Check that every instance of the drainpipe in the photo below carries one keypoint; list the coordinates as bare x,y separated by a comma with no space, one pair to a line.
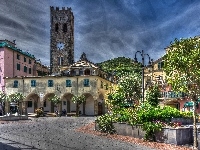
13,64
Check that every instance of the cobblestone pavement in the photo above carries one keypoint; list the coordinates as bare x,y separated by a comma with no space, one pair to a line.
56,133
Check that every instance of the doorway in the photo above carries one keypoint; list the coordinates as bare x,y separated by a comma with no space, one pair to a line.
99,108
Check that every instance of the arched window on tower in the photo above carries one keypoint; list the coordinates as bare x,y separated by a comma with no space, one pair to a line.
87,72
64,27
56,27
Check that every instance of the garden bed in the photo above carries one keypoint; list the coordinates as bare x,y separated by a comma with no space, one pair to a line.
89,129
177,136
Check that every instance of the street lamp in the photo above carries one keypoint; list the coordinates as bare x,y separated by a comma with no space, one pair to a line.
150,62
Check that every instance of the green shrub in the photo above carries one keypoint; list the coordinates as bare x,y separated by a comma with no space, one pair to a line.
105,124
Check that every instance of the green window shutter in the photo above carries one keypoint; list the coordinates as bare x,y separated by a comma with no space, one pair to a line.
68,83
86,82
15,84
159,65
50,83
33,83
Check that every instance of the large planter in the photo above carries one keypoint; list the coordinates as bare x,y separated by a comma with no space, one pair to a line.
120,128
129,130
177,136
141,132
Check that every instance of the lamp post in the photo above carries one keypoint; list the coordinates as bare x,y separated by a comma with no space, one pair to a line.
150,61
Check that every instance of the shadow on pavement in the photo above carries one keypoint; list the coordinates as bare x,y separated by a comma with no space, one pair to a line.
6,144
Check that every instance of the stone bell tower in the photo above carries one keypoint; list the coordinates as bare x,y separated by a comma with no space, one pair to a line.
62,38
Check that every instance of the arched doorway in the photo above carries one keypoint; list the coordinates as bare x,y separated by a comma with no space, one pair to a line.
101,104
67,104
88,106
173,103
31,103
48,105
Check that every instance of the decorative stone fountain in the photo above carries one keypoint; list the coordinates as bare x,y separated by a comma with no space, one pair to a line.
13,116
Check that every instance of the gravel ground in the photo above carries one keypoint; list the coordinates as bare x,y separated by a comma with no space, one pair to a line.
58,133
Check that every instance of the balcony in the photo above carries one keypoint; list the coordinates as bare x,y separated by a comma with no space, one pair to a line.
171,94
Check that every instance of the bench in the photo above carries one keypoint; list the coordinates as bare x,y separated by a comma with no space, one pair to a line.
72,113
50,115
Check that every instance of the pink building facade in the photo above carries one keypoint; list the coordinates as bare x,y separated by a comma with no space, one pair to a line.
15,62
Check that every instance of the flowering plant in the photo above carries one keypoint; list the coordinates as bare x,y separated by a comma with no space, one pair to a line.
175,124
39,112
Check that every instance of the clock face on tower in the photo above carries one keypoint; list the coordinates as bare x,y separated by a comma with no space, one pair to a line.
60,45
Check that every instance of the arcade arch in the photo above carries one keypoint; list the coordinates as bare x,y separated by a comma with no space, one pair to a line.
32,102
67,103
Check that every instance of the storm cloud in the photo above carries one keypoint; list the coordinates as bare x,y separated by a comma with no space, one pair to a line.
104,29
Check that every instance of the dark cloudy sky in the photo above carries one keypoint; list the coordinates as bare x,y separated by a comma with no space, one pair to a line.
104,29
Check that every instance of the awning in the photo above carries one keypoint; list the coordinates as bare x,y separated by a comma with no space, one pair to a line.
190,104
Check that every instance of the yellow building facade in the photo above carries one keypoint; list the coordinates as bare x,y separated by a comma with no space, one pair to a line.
81,78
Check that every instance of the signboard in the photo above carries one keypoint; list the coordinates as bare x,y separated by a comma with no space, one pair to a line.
41,95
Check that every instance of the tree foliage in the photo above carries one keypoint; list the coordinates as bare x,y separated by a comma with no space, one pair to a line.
182,66
3,97
54,99
153,93
78,100
120,66
128,90
16,97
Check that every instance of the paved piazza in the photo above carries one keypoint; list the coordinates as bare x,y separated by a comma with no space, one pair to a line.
56,133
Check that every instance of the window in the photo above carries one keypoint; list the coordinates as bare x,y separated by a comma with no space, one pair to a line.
81,72
15,84
29,104
18,56
64,27
106,86
45,103
25,69
87,72
29,61
18,66
64,102
56,27
50,83
33,83
86,82
68,83
101,84
24,59
160,65
29,70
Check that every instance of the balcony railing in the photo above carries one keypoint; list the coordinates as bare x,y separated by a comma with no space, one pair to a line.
171,94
